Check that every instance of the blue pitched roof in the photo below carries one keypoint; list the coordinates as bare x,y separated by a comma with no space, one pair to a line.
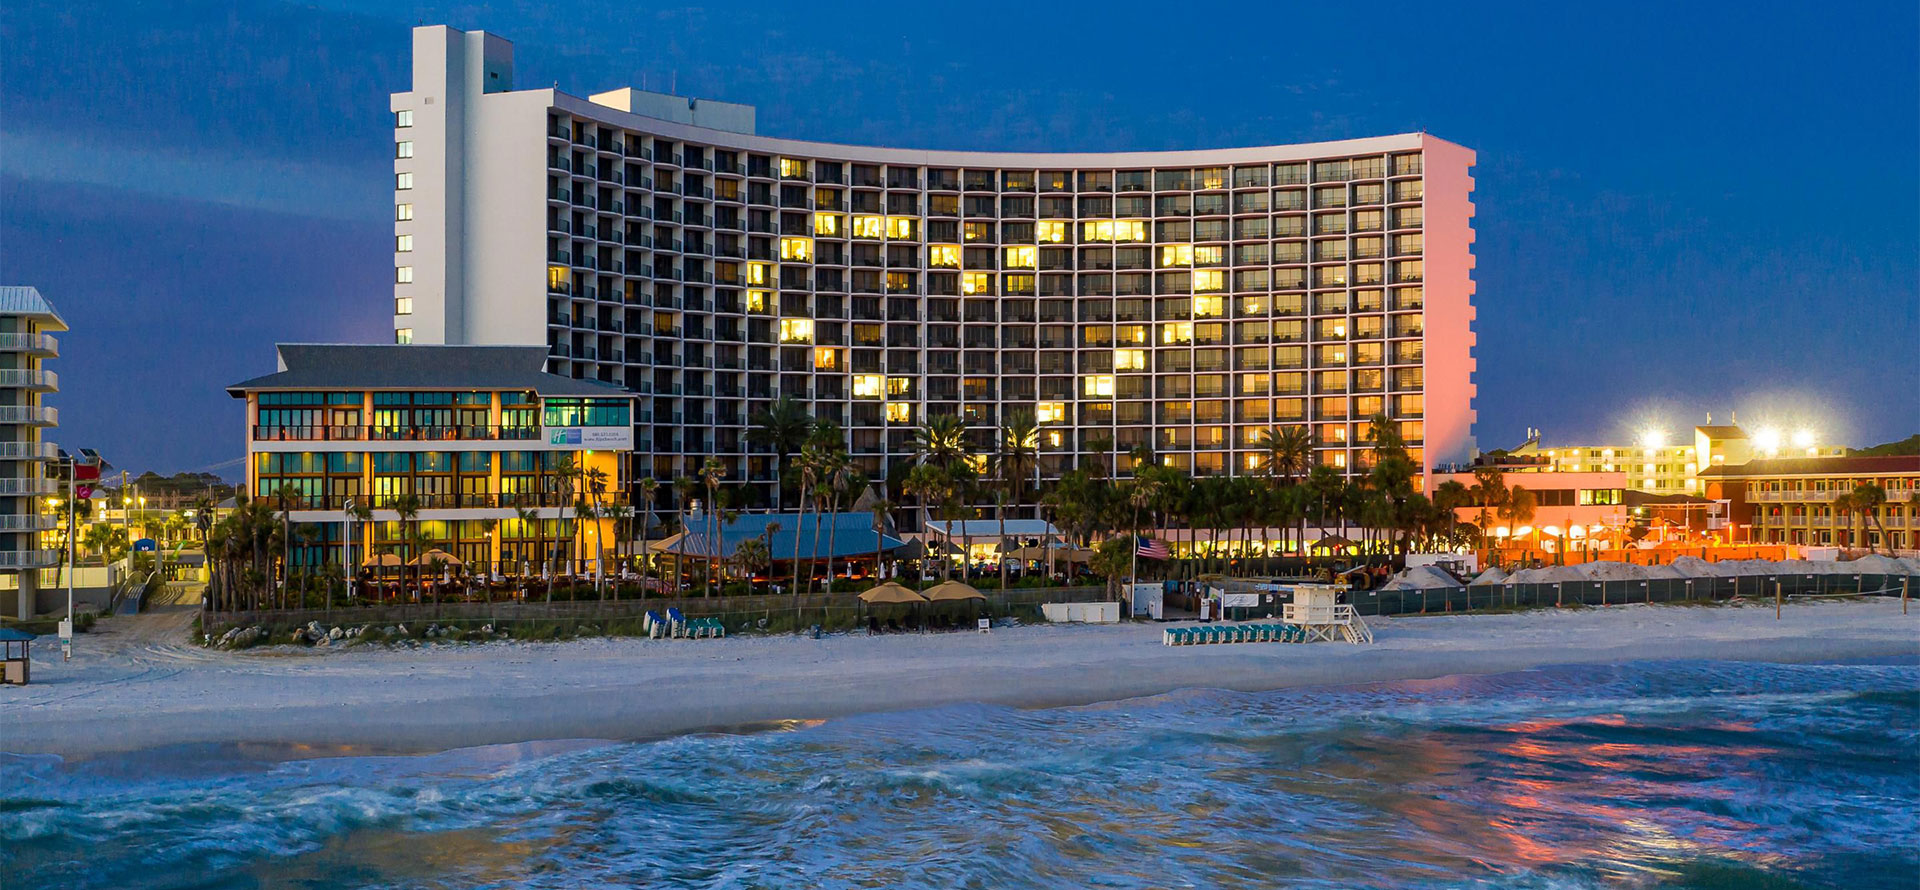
851,534
15,635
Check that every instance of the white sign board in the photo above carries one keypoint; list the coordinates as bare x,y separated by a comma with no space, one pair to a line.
1239,600
66,630
613,437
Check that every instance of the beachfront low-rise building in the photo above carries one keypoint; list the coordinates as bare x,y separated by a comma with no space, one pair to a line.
1656,464
1566,504
1807,501
489,453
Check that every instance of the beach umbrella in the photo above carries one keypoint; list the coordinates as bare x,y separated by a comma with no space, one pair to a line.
890,592
383,561
1076,554
952,591
432,556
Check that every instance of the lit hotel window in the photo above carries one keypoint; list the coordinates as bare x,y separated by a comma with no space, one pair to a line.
976,283
793,168
1209,280
403,335
796,330
403,149
826,224
1052,232
899,386
1129,359
800,249
403,275
1113,230
978,231
757,273
558,277
1176,255
1207,307
1098,386
402,212
403,306
402,181
826,359
402,243
403,118
868,226
1050,412
900,228
867,386
1176,332
899,412
757,301
943,256
1022,257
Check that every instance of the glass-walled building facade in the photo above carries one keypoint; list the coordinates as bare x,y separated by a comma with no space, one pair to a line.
1187,301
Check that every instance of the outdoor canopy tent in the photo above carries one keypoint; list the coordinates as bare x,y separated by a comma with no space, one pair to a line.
432,556
849,535
383,560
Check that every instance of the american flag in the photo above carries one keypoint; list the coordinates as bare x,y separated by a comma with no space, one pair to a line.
1150,549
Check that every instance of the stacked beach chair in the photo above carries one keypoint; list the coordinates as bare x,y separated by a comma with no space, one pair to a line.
675,624
1207,634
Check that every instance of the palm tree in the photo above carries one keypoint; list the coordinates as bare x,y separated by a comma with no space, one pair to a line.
880,507
749,556
840,479
1016,456
1867,498
530,519
1287,454
928,484
782,428
648,487
942,443
807,465
407,506
361,512
565,471
286,495
711,472
682,494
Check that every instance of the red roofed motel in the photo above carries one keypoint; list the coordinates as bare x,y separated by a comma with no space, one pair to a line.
1800,500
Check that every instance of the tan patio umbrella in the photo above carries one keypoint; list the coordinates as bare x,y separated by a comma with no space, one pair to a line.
1076,554
383,561
440,556
890,592
1029,554
952,591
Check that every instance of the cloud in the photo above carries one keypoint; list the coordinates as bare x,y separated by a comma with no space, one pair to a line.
293,186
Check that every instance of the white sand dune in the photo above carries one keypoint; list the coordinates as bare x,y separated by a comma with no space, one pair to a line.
131,686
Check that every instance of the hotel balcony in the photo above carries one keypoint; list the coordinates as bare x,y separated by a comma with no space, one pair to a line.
30,415
43,345
43,381
483,433
29,451
27,486
448,501
30,559
1798,497
28,522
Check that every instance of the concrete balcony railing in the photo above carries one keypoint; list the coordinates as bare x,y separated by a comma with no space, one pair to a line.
29,379
32,415
28,487
28,522
29,559
29,451
35,344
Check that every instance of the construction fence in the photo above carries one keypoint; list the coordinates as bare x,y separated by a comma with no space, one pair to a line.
836,611
1616,593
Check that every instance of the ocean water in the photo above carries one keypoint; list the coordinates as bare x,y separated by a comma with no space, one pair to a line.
1694,774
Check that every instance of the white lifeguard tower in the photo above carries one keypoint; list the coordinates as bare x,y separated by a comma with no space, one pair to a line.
1316,609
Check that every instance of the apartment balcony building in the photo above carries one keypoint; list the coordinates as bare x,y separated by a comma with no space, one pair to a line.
27,323
1317,284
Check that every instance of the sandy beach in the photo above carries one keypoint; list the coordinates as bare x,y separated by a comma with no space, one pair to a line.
134,683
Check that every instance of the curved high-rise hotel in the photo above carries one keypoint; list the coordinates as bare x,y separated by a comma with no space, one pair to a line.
1187,300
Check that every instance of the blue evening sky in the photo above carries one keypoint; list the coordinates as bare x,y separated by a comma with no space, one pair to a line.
1683,207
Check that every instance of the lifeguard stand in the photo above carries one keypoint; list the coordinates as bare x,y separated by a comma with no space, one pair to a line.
1316,609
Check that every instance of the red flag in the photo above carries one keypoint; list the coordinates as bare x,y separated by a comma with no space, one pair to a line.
86,471
83,492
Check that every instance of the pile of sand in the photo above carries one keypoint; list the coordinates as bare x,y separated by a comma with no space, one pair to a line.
1420,577
1493,575
1695,567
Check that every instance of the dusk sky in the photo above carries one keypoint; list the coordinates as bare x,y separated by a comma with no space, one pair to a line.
1682,208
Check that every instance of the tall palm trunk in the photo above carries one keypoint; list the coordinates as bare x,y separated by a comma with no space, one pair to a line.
833,533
